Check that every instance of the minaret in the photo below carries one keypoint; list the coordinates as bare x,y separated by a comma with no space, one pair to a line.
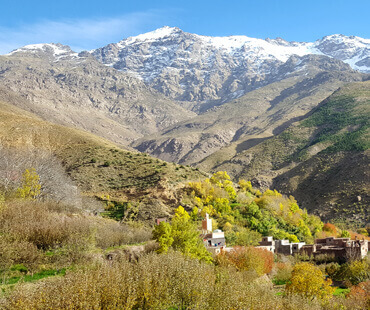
207,225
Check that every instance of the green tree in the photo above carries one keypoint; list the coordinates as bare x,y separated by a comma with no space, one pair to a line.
245,185
345,234
308,280
30,186
182,235
163,234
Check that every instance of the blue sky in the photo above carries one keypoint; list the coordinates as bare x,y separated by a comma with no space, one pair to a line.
90,24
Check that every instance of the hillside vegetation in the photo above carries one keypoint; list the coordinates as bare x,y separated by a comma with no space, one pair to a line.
322,160
59,257
97,166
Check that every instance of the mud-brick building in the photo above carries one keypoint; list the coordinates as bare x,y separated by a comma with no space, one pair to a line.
341,249
214,241
267,243
280,246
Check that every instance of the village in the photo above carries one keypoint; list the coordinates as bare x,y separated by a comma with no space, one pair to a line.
340,249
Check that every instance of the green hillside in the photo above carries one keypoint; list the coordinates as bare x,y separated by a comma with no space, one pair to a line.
97,166
321,160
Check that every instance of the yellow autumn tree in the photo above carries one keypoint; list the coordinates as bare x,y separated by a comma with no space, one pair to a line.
30,186
308,280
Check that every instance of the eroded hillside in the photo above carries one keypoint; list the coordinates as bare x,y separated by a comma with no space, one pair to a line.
323,160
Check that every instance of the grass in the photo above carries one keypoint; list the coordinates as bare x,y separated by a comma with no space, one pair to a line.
34,277
341,291
279,282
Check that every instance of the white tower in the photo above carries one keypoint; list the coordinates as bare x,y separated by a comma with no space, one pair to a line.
207,225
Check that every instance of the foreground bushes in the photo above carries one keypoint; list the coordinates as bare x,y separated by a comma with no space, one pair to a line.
163,281
34,233
248,259
169,281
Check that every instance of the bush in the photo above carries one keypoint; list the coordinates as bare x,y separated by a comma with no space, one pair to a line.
15,252
330,228
361,294
325,258
110,233
248,259
354,272
332,269
32,222
170,281
283,273
308,280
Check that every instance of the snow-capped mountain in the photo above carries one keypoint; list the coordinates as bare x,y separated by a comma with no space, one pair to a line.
210,71
192,67
56,51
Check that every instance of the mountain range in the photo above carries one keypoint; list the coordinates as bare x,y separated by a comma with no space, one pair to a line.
211,102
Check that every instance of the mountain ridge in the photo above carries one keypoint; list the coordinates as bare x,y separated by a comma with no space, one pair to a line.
201,69
208,71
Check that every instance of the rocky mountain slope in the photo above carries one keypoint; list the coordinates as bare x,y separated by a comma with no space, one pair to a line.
74,89
322,160
209,71
253,117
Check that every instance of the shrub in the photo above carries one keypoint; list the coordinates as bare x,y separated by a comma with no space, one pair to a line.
330,228
15,252
34,223
308,280
110,233
345,234
247,258
354,272
325,258
283,272
170,281
332,269
361,294
30,187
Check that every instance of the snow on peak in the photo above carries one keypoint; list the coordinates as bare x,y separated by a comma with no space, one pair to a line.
57,50
169,48
341,38
154,35
278,48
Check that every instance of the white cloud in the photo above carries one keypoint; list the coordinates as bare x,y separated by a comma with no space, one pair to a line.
80,34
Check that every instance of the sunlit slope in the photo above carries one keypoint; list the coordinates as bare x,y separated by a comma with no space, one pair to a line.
323,160
95,164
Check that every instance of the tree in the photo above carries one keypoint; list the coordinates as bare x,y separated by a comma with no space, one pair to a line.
308,280
245,185
354,272
163,234
182,235
330,228
248,258
30,186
